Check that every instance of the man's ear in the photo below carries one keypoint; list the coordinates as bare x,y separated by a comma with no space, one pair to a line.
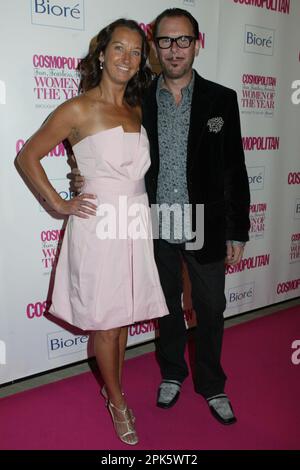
197,47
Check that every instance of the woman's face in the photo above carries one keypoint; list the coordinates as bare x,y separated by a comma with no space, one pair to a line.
122,56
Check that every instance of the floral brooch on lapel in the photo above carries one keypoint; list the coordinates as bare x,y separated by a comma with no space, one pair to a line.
215,124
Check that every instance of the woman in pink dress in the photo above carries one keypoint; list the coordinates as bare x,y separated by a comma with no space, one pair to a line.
106,276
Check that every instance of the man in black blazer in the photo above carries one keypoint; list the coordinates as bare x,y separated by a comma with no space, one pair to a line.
196,158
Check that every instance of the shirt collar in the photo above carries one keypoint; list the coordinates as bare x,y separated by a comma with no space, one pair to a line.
186,90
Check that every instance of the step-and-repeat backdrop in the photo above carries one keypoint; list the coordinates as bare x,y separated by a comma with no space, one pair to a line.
249,45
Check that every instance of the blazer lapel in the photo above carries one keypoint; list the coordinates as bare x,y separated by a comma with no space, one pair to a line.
200,111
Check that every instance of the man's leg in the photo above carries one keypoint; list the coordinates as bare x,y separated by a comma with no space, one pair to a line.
208,282
172,329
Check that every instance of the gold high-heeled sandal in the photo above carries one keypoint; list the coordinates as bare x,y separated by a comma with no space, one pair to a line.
104,394
125,429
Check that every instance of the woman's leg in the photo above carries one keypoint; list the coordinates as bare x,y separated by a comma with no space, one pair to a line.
107,351
122,348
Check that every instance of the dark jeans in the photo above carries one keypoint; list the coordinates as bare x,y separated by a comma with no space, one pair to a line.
207,282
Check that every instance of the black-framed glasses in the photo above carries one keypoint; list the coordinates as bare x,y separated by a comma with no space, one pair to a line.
165,42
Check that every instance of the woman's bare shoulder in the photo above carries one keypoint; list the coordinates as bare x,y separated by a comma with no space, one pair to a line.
77,104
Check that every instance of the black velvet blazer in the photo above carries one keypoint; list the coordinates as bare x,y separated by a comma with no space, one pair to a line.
216,172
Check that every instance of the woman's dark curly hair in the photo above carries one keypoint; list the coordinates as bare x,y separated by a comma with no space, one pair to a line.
91,74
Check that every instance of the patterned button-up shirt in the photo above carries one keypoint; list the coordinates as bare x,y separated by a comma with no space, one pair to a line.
173,130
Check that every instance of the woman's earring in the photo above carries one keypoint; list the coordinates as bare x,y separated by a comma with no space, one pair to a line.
101,65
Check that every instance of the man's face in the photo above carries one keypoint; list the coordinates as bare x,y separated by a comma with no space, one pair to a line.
176,62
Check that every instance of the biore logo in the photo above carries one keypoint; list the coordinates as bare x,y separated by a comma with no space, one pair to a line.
240,295
2,353
61,186
256,176
58,13
294,178
259,40
2,92
296,354
296,94
297,209
62,343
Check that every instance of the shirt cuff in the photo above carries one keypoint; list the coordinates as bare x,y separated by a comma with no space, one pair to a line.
236,242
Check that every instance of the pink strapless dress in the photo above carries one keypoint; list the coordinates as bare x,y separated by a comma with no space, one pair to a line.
106,276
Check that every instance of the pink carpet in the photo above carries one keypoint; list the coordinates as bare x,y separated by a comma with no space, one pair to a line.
263,384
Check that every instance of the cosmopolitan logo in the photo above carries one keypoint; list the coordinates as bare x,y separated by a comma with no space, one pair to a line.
253,262
285,287
148,27
256,177
258,95
51,241
55,62
58,13
55,79
143,327
294,178
257,220
240,295
259,40
295,248
297,209
259,80
37,309
148,327
63,343
251,144
280,6
58,151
